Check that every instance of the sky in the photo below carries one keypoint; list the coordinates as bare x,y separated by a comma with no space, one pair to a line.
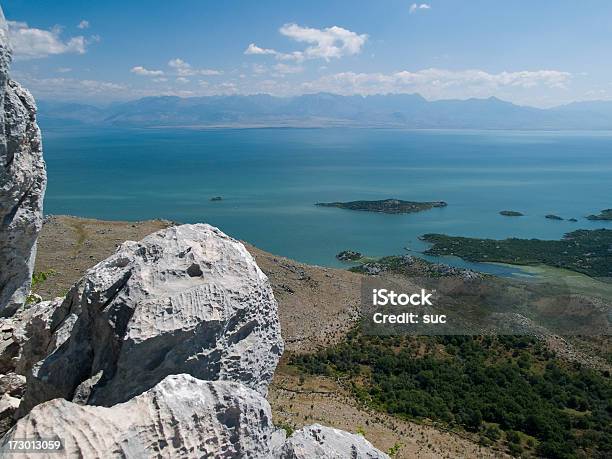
539,53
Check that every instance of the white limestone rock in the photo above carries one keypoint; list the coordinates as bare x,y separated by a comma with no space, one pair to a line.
327,443
186,299
181,417
29,335
23,180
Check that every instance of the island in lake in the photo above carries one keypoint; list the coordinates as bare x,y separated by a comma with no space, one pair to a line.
349,255
511,213
553,217
605,214
387,206
584,251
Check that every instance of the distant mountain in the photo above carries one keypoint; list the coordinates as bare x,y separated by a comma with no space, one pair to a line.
324,109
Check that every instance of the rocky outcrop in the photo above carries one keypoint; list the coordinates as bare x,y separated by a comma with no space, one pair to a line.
25,338
320,441
184,417
165,349
181,417
22,184
187,299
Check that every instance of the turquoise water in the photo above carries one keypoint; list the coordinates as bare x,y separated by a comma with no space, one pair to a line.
270,178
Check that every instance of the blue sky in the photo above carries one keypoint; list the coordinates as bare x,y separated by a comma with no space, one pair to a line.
539,53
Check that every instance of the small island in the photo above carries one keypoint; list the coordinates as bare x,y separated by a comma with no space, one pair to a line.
553,217
349,255
573,220
387,206
511,213
216,198
605,214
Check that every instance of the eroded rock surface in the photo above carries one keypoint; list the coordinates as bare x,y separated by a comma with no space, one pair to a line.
27,336
23,181
181,417
187,299
326,442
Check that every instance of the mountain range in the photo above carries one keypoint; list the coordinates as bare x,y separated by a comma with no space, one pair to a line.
324,109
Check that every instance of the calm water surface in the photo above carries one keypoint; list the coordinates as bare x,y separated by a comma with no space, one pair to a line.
270,178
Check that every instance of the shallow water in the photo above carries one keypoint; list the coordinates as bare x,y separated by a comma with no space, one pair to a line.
270,178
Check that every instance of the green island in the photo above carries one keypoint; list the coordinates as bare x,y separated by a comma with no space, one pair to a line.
349,255
605,214
584,251
511,213
387,206
504,390
409,265
553,217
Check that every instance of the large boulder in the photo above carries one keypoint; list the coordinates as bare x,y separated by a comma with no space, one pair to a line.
23,179
181,417
186,299
328,443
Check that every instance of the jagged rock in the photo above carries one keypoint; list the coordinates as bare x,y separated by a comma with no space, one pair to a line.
23,179
181,417
8,407
28,336
12,384
325,442
25,338
186,299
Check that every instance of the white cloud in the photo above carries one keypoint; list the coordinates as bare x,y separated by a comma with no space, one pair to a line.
284,69
72,89
140,70
63,70
332,42
259,69
328,43
416,7
68,88
254,49
30,42
84,24
182,80
439,83
184,69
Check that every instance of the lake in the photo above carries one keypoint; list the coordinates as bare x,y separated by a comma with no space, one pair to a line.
270,179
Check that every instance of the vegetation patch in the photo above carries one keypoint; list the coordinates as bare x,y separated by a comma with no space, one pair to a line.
605,214
584,251
507,390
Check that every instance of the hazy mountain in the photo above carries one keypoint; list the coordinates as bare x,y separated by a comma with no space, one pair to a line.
323,109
